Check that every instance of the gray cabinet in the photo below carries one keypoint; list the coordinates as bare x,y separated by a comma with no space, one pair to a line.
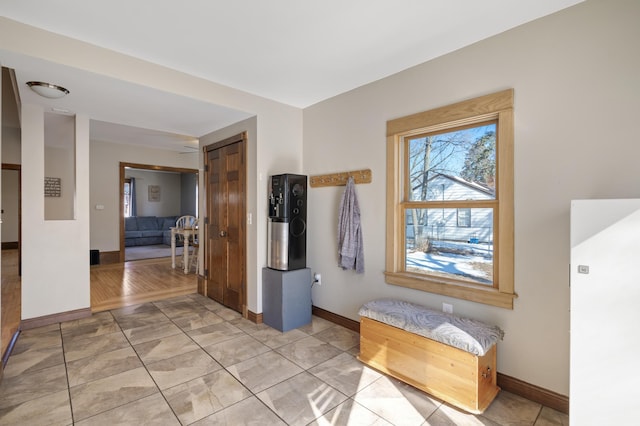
286,298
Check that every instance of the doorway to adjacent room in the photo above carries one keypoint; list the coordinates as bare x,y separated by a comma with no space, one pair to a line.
151,199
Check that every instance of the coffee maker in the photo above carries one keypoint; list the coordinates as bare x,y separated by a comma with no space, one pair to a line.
287,222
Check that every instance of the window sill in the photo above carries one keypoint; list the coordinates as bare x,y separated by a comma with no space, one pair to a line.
487,296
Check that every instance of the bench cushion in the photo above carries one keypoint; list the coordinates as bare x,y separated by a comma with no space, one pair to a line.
463,333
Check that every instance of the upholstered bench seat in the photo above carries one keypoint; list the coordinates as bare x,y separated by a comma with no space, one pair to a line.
462,333
450,357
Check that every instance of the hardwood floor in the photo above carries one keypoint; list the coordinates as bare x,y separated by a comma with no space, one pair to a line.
117,285
112,286
10,298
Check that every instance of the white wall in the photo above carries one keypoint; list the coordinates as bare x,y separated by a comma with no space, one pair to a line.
577,95
105,161
55,254
604,238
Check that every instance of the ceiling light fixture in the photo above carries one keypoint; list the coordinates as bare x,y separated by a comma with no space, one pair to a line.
47,90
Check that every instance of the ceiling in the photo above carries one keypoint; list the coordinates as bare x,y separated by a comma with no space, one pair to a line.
291,51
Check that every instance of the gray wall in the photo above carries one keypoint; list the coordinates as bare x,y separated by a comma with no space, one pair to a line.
188,194
170,194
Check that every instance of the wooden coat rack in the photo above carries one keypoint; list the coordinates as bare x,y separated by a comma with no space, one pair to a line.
338,179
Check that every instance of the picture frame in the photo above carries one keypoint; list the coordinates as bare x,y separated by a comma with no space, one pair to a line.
154,193
52,187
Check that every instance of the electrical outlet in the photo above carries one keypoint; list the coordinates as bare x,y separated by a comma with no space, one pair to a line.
583,269
447,308
317,278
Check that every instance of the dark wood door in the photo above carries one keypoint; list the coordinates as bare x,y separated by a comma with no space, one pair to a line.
225,233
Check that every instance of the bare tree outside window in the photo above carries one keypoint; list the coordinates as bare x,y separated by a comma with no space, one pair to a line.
449,167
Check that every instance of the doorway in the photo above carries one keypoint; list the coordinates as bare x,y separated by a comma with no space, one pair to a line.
165,193
225,229
10,298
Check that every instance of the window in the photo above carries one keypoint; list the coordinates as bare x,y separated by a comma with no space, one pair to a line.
464,218
450,200
127,197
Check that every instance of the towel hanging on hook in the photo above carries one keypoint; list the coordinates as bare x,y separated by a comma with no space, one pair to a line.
350,246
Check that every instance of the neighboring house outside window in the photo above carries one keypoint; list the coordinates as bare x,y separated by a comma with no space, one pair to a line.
450,200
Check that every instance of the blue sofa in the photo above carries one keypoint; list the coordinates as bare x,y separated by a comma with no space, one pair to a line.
148,230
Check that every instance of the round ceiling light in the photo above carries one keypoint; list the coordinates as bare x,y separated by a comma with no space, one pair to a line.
47,90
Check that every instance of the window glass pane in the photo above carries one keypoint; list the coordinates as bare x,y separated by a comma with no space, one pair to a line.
436,245
456,165
127,198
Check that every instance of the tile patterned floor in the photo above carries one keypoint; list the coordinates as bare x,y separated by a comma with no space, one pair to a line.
190,361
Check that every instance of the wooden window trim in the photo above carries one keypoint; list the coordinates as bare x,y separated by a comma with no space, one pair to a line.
497,106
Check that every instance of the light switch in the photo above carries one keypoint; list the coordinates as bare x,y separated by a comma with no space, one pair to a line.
99,207
583,269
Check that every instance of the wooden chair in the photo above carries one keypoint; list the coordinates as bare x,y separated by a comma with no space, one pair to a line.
194,256
186,221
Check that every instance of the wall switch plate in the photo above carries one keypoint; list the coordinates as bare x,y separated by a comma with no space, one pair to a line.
447,308
583,269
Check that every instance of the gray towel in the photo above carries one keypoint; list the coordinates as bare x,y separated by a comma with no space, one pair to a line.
350,248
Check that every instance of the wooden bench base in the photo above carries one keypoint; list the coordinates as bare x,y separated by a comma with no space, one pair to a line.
460,378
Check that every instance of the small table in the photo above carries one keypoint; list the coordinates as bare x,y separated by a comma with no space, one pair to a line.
186,234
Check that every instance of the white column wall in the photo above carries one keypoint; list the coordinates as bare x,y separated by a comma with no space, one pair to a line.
55,254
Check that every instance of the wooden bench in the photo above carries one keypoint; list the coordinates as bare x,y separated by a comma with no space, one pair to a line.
449,357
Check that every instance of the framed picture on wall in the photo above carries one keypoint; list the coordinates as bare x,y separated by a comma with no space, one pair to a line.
52,187
154,192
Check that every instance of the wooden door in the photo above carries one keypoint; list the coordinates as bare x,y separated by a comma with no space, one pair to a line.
225,251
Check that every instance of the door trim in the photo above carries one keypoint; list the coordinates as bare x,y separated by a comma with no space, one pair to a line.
240,137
